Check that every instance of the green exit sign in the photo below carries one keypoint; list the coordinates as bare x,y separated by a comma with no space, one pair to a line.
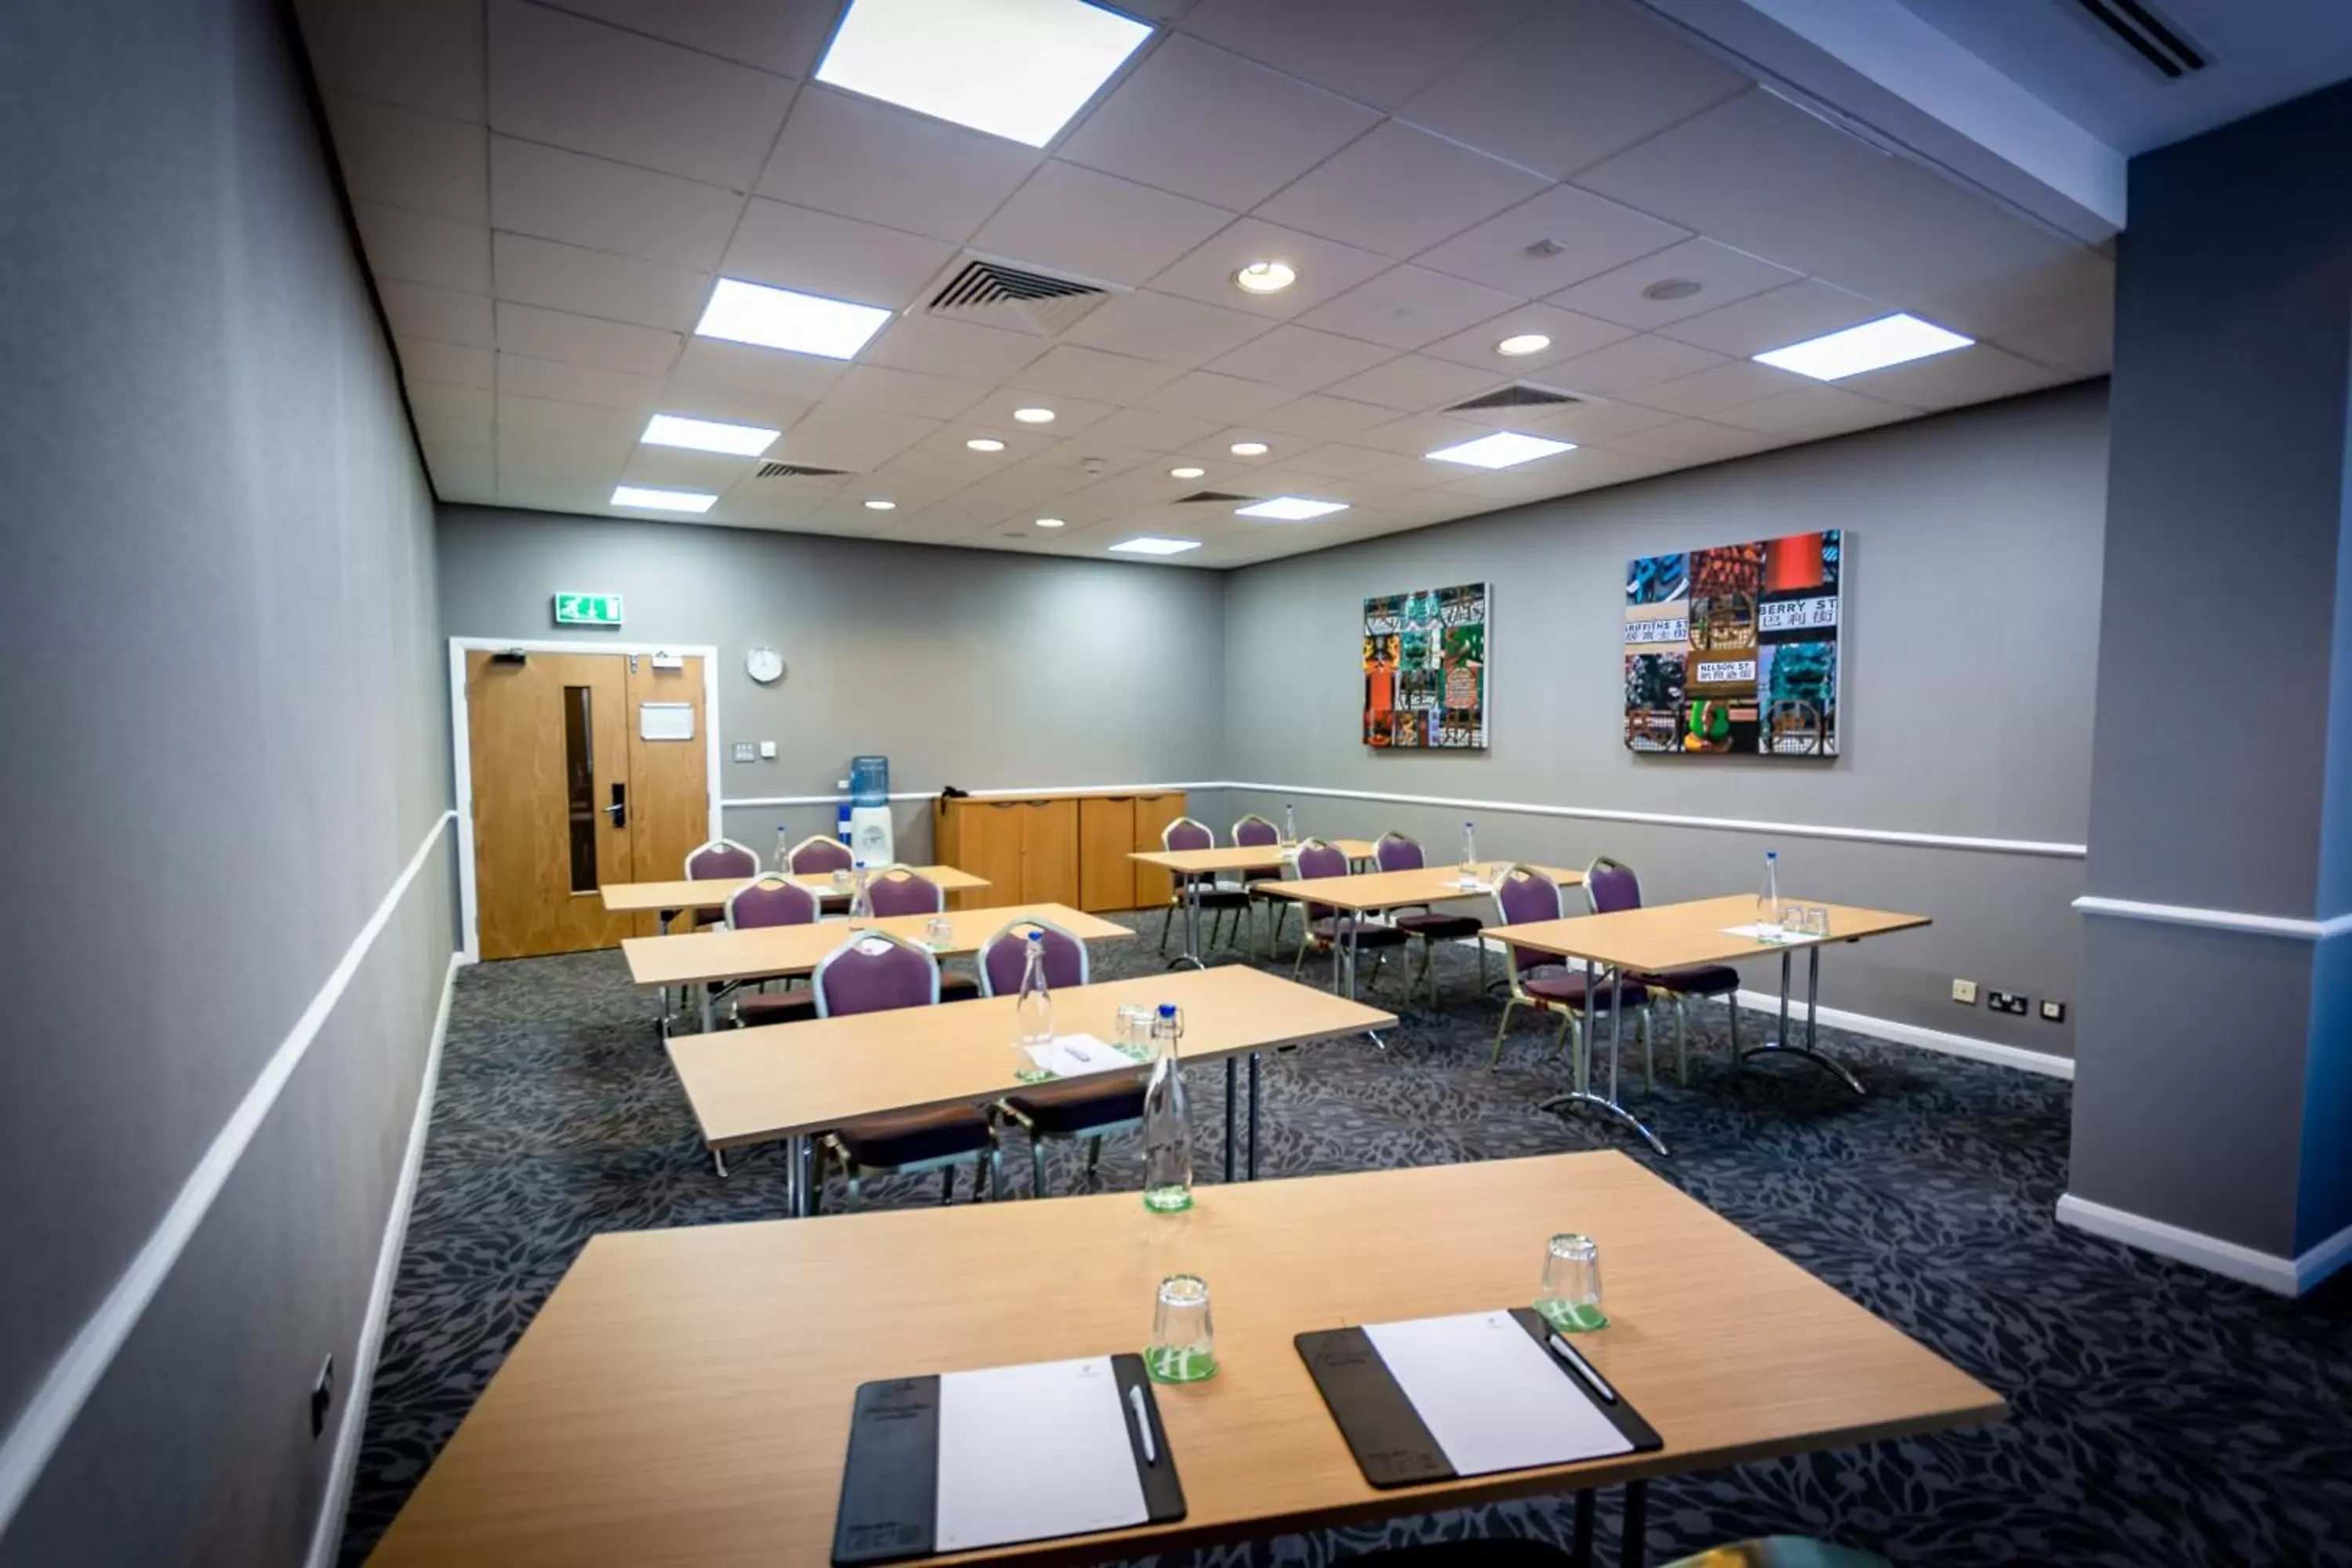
587,609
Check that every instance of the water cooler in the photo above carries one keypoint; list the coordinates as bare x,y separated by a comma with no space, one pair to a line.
870,839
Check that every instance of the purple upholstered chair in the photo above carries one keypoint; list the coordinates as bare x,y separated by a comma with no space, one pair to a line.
1256,832
874,972
1523,896
899,891
770,900
721,860
816,855
1086,1109
1610,885
1186,834
1396,852
1327,928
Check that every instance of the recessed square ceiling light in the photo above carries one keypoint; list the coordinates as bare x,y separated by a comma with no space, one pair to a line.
1153,544
1874,345
1015,68
784,318
707,436
1503,449
662,500
1292,509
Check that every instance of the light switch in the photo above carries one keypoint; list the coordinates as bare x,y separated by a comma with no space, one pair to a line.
766,750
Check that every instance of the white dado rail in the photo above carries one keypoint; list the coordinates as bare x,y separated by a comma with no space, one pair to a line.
2287,926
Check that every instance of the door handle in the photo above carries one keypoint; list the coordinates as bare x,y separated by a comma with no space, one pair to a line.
619,810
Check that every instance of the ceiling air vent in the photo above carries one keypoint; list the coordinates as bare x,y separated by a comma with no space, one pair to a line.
797,472
1210,496
1519,395
2155,42
988,292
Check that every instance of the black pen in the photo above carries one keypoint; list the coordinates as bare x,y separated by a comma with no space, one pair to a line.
1584,1369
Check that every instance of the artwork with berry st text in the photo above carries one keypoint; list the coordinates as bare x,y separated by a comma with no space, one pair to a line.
1735,648
1425,669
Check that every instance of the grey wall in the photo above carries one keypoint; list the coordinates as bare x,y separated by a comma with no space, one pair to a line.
1972,630
981,669
216,592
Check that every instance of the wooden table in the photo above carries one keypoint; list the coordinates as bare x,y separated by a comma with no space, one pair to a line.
1680,936
1374,890
684,1396
1193,867
699,959
666,899
793,1080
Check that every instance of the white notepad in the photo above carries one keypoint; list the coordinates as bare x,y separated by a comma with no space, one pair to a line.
1029,1453
1778,934
1493,1398
1074,1056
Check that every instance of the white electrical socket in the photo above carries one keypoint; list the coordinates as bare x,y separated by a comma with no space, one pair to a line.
1965,993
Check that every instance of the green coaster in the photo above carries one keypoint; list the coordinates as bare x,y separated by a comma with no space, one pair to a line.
1033,1074
1167,1200
1571,1318
1134,1053
1170,1365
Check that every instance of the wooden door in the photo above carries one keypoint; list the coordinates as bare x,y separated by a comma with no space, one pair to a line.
548,746
988,843
1049,852
1153,813
669,780
1106,833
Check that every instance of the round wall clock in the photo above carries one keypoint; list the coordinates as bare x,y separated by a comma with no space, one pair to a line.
764,665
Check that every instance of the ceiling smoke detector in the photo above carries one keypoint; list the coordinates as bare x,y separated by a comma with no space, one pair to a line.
1666,288
1545,248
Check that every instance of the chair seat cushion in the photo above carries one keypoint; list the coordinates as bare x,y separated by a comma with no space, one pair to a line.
1070,1109
775,1006
1440,928
1568,991
1361,933
1700,980
892,1141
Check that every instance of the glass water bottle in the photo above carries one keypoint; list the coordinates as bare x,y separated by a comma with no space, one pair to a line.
861,899
1034,1013
1469,851
1167,1138
1768,902
1290,825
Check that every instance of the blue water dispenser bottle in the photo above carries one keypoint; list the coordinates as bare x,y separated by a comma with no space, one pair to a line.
870,839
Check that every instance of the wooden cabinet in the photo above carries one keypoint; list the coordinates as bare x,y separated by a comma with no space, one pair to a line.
1065,848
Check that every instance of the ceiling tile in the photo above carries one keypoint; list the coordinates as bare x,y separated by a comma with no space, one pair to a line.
1210,395
1073,416
453,363
1689,440
2083,341
1592,419
1315,417
936,346
1775,319
1553,240
1209,125
1302,357
417,311
1415,435
1629,366
1570,335
568,382
864,159
2078,285
456,435
1578,81
1090,373
1069,219
560,418
1754,151
1339,462
673,468
1722,274
604,205
904,392
1412,382
839,258
405,159
941,450
1326,267
463,474
1375,52
1948,381
1720,387
735,404
424,248
584,340
1162,327
558,79
421,53
857,439
1154,430
1811,408
711,361
1406,307
1399,190
599,283
783,38
445,401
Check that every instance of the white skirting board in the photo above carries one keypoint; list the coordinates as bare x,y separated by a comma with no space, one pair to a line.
2268,1271
327,1533
2044,1062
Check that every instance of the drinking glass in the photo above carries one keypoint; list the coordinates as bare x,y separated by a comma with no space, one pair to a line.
1817,921
939,933
1571,1298
841,879
1135,1031
1183,1347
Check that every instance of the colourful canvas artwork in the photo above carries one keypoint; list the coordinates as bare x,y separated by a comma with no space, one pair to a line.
1425,669
1735,648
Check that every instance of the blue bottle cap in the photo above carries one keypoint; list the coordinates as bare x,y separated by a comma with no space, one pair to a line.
1167,1009
1036,936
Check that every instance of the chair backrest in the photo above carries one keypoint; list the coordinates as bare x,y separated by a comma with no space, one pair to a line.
1318,858
874,972
1523,895
1005,955
818,854
1395,852
1186,834
722,860
1255,829
1610,885
770,901
899,892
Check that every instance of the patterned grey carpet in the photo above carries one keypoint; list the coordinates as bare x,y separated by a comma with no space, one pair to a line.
2162,1417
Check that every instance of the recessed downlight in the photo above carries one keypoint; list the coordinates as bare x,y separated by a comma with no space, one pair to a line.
1034,416
1523,343
1186,472
1874,345
1666,288
985,444
1266,277
1051,523
1248,449
662,500
877,504
1019,71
